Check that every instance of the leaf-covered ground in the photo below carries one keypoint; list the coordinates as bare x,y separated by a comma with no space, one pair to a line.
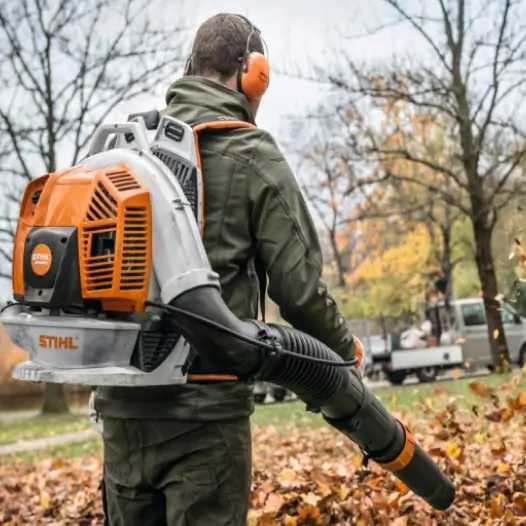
315,478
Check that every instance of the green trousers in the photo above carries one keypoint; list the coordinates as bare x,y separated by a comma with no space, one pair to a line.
175,473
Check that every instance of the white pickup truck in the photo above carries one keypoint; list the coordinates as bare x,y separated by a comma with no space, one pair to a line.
469,349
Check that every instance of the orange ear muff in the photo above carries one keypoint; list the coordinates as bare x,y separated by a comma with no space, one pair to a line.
255,76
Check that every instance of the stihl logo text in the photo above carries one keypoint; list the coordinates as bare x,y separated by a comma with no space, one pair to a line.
68,343
41,258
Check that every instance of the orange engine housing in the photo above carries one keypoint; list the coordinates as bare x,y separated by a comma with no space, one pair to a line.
84,239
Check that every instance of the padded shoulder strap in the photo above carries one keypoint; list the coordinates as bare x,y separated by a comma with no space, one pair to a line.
211,119
224,122
215,122
212,122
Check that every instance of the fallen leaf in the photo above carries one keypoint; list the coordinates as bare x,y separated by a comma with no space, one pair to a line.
479,439
453,450
481,389
274,503
308,512
401,487
503,467
344,492
324,489
311,498
58,463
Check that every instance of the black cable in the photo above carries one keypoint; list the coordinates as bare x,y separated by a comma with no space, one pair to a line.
248,339
8,305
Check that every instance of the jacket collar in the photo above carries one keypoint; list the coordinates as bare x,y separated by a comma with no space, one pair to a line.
211,96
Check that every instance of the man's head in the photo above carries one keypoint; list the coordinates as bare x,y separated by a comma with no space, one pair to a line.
220,51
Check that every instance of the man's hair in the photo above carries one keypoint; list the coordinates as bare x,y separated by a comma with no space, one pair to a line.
220,43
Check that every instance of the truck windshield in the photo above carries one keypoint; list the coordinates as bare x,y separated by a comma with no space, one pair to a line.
476,315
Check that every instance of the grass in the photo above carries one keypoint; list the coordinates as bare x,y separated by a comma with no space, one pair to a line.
404,398
91,446
41,426
283,416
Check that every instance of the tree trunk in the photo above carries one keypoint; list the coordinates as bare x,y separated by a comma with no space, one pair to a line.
55,400
341,272
488,279
447,273
338,257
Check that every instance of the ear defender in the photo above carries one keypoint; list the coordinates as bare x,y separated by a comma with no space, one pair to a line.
254,76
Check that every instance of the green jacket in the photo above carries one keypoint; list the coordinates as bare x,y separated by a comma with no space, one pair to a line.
252,203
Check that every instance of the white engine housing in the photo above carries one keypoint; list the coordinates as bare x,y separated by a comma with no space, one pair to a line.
100,349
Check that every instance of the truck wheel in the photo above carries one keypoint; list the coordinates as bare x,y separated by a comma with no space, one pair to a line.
260,398
279,395
395,377
427,374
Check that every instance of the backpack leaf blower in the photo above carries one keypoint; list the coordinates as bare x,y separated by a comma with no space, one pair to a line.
110,276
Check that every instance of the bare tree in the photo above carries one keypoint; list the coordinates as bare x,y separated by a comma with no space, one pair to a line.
332,184
470,72
7,221
65,66
324,182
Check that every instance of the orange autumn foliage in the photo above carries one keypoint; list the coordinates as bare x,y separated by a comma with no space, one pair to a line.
391,274
10,355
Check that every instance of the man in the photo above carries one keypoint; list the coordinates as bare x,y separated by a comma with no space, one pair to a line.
181,455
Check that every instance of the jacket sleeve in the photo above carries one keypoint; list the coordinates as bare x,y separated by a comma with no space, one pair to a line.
289,248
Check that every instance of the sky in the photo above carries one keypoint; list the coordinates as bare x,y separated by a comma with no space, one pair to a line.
297,33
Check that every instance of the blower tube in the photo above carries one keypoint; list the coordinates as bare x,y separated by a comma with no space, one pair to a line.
343,400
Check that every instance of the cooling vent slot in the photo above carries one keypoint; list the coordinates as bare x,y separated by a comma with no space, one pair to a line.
103,206
135,249
98,240
154,347
180,169
185,173
123,181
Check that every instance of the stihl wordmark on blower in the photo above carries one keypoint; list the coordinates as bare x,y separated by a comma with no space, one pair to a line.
112,286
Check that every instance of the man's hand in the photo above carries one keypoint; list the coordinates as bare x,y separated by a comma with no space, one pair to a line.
96,420
359,354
